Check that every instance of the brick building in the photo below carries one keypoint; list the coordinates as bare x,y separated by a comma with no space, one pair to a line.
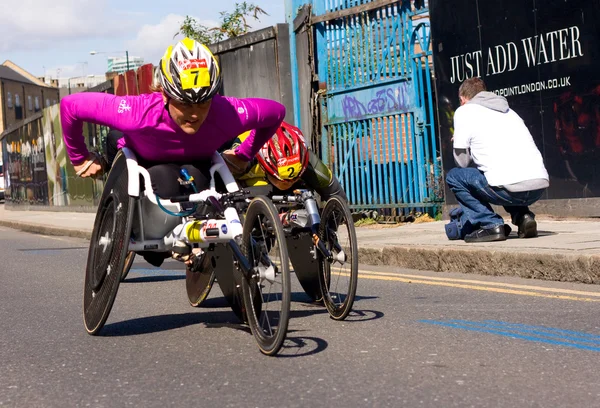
22,95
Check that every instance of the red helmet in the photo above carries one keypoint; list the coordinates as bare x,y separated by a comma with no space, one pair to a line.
285,155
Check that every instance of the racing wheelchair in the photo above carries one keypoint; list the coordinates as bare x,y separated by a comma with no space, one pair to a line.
330,272
251,260
322,249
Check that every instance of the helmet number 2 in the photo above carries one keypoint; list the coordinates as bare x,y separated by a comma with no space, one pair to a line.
290,172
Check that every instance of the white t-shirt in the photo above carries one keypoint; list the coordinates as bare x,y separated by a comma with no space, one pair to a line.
500,143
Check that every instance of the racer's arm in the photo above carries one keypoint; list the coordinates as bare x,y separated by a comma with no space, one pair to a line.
263,117
318,177
118,112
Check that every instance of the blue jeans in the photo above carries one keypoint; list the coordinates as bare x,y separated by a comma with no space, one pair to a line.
475,195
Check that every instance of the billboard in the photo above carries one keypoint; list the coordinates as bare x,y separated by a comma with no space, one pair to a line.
543,56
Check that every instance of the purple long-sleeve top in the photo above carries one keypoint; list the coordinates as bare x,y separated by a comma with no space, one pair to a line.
154,136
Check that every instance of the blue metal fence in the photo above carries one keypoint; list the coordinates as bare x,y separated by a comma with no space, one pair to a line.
377,111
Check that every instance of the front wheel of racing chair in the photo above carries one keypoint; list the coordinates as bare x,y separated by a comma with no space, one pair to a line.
264,244
338,275
108,247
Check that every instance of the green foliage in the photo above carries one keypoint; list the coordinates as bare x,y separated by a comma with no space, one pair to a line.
196,31
232,24
365,221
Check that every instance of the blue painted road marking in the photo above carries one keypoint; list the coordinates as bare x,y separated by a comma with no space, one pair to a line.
538,334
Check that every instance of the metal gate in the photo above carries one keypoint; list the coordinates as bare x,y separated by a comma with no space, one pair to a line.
374,67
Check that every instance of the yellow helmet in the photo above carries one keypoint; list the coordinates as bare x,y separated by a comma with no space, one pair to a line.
189,72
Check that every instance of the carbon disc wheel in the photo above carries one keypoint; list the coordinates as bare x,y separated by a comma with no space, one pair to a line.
108,248
198,283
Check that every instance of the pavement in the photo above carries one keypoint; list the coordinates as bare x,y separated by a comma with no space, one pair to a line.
566,249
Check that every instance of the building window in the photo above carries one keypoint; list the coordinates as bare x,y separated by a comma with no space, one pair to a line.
37,103
29,103
47,102
18,108
9,100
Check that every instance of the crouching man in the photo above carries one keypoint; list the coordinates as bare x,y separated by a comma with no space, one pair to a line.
508,167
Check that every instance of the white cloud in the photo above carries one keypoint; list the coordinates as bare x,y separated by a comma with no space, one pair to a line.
31,24
152,40
66,71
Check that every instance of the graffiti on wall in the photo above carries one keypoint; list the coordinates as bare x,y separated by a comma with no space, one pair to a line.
37,168
383,100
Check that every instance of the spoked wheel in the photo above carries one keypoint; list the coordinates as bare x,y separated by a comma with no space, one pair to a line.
199,280
338,276
108,248
263,242
128,262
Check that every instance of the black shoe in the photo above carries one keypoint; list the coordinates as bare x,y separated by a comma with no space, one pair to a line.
528,226
507,230
497,233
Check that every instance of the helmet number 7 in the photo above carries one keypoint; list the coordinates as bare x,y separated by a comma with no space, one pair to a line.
194,78
195,73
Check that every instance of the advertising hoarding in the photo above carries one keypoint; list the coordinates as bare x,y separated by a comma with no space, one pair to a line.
543,56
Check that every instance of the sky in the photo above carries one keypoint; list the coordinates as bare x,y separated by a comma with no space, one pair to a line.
54,38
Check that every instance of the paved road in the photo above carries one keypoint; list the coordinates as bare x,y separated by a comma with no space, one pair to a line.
416,339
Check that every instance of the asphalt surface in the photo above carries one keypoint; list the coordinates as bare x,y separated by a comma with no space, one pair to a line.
415,339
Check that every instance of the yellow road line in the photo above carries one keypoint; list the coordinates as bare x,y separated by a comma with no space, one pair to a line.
478,282
481,286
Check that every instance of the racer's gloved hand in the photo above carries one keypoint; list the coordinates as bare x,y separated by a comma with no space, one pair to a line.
237,165
94,166
181,251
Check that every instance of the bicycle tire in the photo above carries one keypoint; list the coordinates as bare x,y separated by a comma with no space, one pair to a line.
338,292
263,234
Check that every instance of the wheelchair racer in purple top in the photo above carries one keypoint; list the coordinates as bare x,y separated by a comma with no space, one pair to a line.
178,127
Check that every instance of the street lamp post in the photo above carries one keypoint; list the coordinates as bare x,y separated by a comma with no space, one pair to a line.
106,52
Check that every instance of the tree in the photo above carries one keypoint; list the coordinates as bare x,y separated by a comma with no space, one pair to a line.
231,25
196,31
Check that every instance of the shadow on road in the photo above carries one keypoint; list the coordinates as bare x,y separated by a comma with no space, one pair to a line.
218,302
301,346
154,278
363,315
154,324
